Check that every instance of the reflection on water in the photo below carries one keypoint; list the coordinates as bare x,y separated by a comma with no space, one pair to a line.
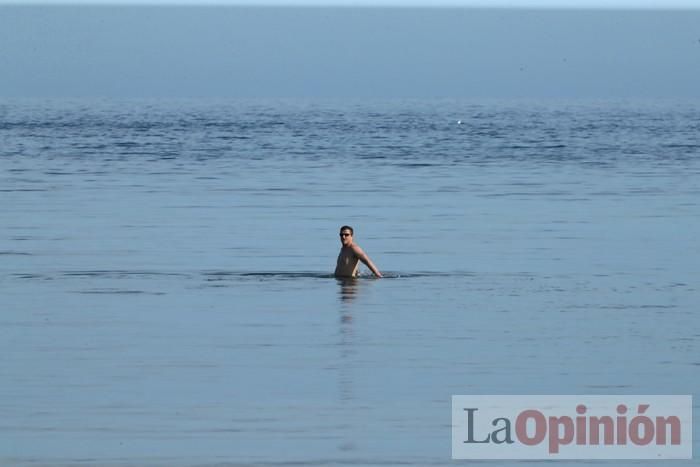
349,287
348,293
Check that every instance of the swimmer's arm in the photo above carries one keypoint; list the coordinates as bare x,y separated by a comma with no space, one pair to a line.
362,256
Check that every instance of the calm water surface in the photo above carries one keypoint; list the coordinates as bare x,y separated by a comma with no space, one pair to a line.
165,285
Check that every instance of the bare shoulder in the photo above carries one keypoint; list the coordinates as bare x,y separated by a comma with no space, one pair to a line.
357,250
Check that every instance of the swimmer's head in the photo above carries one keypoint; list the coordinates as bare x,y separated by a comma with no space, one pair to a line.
346,233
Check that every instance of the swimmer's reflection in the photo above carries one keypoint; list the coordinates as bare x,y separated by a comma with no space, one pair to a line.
349,287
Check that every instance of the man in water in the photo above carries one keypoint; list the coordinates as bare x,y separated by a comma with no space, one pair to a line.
350,256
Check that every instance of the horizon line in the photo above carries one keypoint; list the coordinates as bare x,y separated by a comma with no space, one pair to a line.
600,5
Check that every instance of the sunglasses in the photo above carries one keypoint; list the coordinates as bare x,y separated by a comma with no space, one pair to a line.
345,235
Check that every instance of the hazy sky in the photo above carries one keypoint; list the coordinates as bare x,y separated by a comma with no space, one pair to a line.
666,4
235,51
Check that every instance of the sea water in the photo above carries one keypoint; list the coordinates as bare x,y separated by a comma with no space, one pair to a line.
165,272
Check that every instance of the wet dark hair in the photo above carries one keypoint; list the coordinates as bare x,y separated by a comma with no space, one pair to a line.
347,227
